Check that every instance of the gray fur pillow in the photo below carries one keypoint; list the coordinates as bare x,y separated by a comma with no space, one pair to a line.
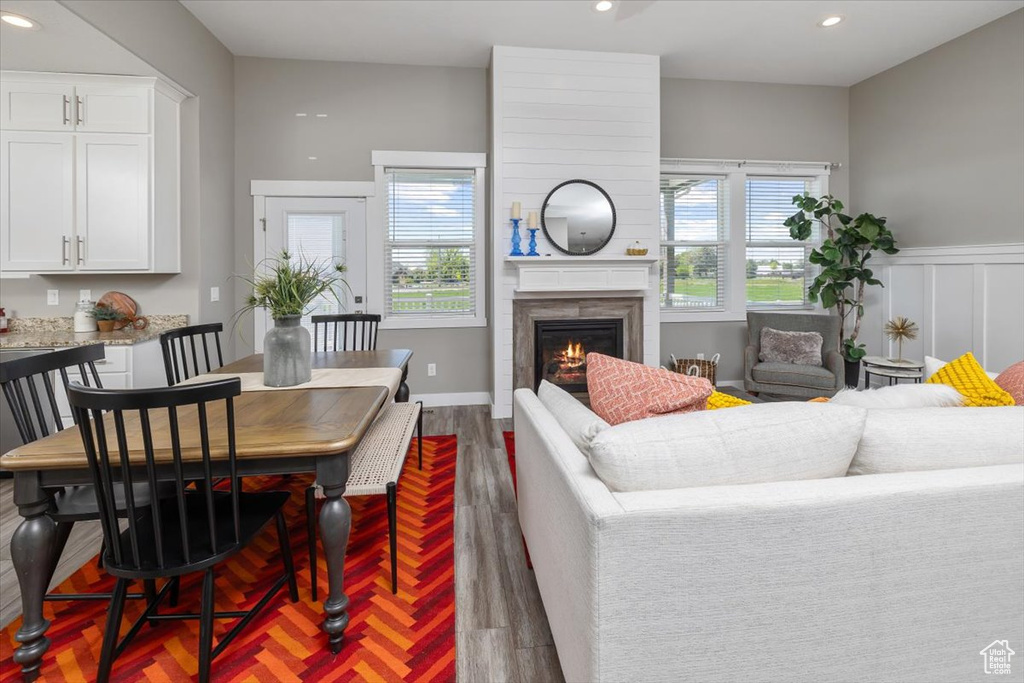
800,348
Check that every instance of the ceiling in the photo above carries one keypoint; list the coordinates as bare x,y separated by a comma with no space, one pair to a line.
771,42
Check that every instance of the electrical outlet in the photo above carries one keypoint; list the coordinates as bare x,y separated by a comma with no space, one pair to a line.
53,297
431,369
214,293
85,295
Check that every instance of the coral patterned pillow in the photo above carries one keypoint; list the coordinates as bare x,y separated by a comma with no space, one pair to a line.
1011,380
621,391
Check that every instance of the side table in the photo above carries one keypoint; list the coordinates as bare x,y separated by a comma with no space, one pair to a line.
893,370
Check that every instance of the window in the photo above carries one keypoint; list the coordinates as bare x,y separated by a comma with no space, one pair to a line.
693,221
432,246
777,269
724,247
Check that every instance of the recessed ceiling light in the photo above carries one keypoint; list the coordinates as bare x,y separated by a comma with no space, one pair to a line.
19,21
321,116
830,21
603,5
300,114
311,158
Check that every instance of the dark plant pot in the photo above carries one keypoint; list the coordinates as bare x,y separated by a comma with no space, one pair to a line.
852,373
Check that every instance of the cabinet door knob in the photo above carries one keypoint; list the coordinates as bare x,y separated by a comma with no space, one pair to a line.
81,250
64,244
67,110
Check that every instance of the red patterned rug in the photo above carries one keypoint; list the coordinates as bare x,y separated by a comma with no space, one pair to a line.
510,450
405,637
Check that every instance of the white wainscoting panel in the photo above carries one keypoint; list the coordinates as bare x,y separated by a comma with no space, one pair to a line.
963,299
559,115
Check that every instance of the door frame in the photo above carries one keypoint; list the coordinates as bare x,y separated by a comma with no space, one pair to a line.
333,189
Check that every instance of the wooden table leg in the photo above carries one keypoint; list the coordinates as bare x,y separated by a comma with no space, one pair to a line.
402,395
32,548
335,525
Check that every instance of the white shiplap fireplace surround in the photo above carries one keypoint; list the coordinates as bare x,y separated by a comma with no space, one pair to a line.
559,115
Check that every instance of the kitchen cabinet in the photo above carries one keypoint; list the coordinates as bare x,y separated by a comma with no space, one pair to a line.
94,188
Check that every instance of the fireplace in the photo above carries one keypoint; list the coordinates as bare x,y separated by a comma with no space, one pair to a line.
560,348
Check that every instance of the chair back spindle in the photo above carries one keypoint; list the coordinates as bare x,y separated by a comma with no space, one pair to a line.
345,332
31,393
184,347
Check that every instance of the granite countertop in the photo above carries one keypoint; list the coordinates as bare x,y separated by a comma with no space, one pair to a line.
53,333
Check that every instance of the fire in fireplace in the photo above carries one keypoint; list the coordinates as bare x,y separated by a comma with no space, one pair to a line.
561,348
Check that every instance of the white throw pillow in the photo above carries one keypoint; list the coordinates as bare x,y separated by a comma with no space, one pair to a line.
933,365
578,421
939,439
901,396
744,445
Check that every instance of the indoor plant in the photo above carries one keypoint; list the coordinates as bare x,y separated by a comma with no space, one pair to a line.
286,287
843,255
106,318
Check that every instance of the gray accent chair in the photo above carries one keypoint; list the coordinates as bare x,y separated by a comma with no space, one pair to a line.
805,381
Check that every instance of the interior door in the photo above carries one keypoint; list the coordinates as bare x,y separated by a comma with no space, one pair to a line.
322,229
37,194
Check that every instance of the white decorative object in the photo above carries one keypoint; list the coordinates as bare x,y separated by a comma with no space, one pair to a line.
746,445
939,438
517,210
84,320
531,219
901,396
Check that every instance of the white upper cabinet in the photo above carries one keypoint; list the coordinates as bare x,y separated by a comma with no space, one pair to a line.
37,195
90,174
36,106
112,109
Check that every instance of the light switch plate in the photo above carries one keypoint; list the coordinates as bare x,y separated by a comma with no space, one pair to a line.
431,369
53,297
85,295
214,293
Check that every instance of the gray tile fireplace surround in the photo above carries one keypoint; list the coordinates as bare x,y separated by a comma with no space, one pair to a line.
525,311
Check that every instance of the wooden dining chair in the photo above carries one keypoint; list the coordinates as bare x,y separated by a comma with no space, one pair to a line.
191,531
31,394
179,346
345,332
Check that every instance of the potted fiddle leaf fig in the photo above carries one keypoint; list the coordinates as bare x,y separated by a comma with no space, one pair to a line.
847,245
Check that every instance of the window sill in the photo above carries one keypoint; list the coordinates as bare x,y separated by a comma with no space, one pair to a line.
674,316
430,323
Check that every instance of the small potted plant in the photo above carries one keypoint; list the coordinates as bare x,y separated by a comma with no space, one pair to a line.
106,318
286,287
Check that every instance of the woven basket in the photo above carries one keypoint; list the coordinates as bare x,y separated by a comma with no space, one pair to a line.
697,367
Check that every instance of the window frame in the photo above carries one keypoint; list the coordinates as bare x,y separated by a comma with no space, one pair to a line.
721,245
377,242
736,172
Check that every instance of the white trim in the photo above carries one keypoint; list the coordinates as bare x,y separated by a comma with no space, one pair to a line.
428,159
311,188
163,85
403,323
697,316
461,398
797,168
966,254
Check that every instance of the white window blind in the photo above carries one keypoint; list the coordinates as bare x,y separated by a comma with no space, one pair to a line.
777,269
694,216
430,259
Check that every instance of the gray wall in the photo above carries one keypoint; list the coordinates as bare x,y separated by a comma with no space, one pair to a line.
170,39
732,120
369,106
938,141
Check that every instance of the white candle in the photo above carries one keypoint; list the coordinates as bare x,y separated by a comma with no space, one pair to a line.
517,210
531,219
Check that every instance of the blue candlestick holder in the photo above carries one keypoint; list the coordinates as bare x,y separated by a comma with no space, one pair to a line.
533,242
516,251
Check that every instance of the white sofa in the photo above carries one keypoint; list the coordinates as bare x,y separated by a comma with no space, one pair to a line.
882,577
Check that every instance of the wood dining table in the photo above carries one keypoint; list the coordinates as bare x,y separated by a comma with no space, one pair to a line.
297,430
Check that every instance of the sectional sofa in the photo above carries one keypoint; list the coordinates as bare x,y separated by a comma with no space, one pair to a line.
902,576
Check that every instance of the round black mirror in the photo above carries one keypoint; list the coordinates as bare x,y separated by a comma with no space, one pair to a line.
578,217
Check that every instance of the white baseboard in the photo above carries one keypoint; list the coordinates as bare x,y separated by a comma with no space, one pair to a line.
463,398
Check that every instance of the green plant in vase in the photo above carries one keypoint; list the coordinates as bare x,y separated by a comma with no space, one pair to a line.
847,245
106,317
287,286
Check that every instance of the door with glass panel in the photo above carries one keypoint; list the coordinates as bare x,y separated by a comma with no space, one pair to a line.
327,230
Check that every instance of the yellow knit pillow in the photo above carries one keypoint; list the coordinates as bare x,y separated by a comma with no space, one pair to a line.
966,376
719,400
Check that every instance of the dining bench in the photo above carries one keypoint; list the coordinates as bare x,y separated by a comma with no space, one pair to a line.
374,469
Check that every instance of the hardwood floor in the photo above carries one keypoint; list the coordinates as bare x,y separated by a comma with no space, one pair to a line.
501,631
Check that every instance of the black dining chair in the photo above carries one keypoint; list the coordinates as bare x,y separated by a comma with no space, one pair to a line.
179,346
191,531
345,332
31,394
